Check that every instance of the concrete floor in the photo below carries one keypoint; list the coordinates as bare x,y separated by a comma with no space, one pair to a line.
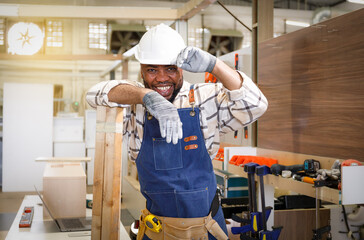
11,201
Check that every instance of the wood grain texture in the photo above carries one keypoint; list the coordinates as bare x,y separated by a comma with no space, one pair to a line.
107,176
314,81
98,178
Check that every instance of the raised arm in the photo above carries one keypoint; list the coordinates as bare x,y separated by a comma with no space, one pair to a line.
241,97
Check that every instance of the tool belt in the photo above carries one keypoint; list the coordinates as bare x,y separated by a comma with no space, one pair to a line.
182,228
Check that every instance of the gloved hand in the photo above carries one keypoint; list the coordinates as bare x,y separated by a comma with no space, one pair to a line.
333,174
193,59
166,113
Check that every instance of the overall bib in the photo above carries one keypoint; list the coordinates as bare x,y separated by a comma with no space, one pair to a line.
177,180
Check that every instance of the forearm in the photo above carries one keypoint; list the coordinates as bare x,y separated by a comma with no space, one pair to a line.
127,94
227,76
98,95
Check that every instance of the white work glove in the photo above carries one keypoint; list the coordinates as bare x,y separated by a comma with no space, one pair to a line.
333,174
166,113
195,60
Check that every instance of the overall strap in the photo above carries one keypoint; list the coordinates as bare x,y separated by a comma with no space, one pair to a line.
191,99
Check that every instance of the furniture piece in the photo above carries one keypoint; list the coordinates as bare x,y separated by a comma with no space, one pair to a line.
68,129
27,134
90,135
46,228
69,149
90,153
83,160
64,189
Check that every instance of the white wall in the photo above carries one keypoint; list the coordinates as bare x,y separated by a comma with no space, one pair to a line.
27,134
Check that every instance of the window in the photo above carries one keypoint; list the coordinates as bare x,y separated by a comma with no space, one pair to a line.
97,35
54,33
2,30
198,37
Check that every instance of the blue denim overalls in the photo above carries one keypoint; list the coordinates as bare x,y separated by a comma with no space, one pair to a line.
177,180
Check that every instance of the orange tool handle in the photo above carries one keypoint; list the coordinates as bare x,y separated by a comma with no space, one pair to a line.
308,180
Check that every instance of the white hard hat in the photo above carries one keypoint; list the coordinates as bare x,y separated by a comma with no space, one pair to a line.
159,46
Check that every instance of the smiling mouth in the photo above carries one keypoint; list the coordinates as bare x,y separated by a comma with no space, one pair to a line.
165,91
164,88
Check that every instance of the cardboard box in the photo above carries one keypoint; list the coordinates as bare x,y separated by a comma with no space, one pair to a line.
64,189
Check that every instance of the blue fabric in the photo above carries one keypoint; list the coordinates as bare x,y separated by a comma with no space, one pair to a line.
177,182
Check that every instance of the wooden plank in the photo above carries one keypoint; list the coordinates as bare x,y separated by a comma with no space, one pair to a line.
96,12
63,159
98,177
112,175
312,79
61,57
192,7
265,20
107,193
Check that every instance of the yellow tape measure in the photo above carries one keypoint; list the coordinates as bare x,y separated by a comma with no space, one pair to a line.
153,223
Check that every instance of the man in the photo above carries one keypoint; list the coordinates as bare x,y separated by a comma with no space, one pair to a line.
173,131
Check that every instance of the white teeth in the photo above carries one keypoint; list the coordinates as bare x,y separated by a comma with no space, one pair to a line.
164,88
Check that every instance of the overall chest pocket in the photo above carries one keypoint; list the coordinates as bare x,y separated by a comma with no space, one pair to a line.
167,156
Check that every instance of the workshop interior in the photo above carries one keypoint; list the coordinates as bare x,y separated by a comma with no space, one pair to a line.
297,173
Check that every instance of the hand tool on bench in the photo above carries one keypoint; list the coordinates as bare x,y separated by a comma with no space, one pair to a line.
309,166
264,234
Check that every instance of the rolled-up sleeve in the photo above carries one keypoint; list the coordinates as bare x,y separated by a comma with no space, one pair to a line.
98,94
242,106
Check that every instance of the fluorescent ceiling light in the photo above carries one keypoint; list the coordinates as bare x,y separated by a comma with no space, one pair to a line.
25,38
356,1
296,23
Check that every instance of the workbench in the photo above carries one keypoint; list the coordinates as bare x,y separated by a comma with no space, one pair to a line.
42,229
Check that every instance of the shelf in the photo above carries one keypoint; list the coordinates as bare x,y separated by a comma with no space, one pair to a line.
133,182
324,193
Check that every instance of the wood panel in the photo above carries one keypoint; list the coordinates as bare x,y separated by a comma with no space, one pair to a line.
313,79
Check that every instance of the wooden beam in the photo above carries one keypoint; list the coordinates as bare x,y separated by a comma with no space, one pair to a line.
193,7
125,69
91,12
5,56
112,67
107,174
265,20
185,12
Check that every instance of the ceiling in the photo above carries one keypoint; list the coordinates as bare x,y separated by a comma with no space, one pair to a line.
285,4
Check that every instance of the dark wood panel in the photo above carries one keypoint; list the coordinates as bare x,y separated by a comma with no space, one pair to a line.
298,223
314,81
